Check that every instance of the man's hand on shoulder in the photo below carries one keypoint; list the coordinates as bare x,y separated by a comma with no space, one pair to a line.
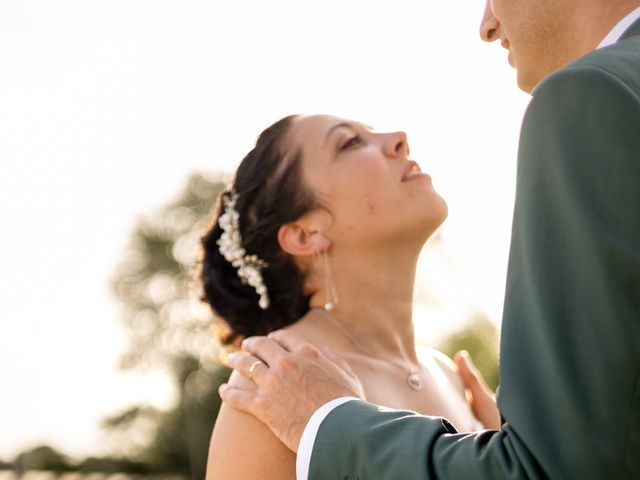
293,379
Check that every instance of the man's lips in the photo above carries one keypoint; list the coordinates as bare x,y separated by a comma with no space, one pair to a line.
507,46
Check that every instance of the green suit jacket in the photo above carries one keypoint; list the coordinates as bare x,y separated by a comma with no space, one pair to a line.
570,349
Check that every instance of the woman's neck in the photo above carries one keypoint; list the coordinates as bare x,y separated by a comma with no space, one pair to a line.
375,300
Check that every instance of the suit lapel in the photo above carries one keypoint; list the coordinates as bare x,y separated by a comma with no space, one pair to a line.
632,31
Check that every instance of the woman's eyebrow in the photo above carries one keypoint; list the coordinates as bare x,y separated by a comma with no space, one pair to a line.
335,127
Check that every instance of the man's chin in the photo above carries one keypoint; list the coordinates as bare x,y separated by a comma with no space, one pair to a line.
525,82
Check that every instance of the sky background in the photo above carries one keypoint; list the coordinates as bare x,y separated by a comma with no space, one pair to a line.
107,107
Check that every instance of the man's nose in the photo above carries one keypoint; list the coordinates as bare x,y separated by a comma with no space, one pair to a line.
490,26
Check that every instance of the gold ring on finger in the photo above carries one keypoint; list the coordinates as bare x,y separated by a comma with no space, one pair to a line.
253,366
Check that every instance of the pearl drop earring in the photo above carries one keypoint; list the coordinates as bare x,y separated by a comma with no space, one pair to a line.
330,289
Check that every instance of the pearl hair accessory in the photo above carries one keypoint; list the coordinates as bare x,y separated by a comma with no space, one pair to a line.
230,243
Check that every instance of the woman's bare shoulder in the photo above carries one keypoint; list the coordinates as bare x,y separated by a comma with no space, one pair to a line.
243,447
307,329
426,354
432,358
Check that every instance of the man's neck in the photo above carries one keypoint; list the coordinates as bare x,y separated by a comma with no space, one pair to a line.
598,20
619,28
584,30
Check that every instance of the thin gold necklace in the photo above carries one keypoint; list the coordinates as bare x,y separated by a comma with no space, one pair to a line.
413,378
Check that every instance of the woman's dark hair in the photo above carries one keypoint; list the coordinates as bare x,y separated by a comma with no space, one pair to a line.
271,193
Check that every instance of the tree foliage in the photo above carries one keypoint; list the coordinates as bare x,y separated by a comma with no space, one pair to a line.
161,309
43,458
171,329
479,337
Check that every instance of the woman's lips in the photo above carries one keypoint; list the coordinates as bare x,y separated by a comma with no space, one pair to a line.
413,171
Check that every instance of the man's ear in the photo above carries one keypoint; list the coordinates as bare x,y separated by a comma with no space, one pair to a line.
304,237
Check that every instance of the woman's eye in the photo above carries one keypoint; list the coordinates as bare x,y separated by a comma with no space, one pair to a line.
351,142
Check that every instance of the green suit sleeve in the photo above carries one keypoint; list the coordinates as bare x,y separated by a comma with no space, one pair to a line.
570,363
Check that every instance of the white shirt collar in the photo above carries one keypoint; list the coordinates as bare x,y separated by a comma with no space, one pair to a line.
620,28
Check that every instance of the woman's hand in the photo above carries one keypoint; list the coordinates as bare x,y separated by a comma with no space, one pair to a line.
481,399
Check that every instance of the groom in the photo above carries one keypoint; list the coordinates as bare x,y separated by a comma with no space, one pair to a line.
570,353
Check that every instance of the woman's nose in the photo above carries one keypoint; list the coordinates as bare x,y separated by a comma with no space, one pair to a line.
490,26
395,144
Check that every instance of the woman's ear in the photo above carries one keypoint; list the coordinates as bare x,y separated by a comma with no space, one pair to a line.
304,236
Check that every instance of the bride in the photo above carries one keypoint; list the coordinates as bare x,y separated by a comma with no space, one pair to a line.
320,233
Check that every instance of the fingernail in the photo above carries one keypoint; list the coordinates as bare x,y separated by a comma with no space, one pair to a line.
469,362
230,357
222,388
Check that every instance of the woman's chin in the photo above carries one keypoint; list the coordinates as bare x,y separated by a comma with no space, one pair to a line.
434,218
444,207
435,210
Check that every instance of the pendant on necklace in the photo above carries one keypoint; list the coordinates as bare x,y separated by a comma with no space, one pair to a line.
414,381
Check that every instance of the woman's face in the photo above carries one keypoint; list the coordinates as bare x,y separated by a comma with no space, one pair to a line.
376,194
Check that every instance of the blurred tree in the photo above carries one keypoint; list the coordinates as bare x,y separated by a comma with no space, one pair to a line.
170,329
161,308
42,458
479,337
111,465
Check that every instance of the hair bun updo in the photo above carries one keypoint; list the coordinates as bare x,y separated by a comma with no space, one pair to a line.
270,193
